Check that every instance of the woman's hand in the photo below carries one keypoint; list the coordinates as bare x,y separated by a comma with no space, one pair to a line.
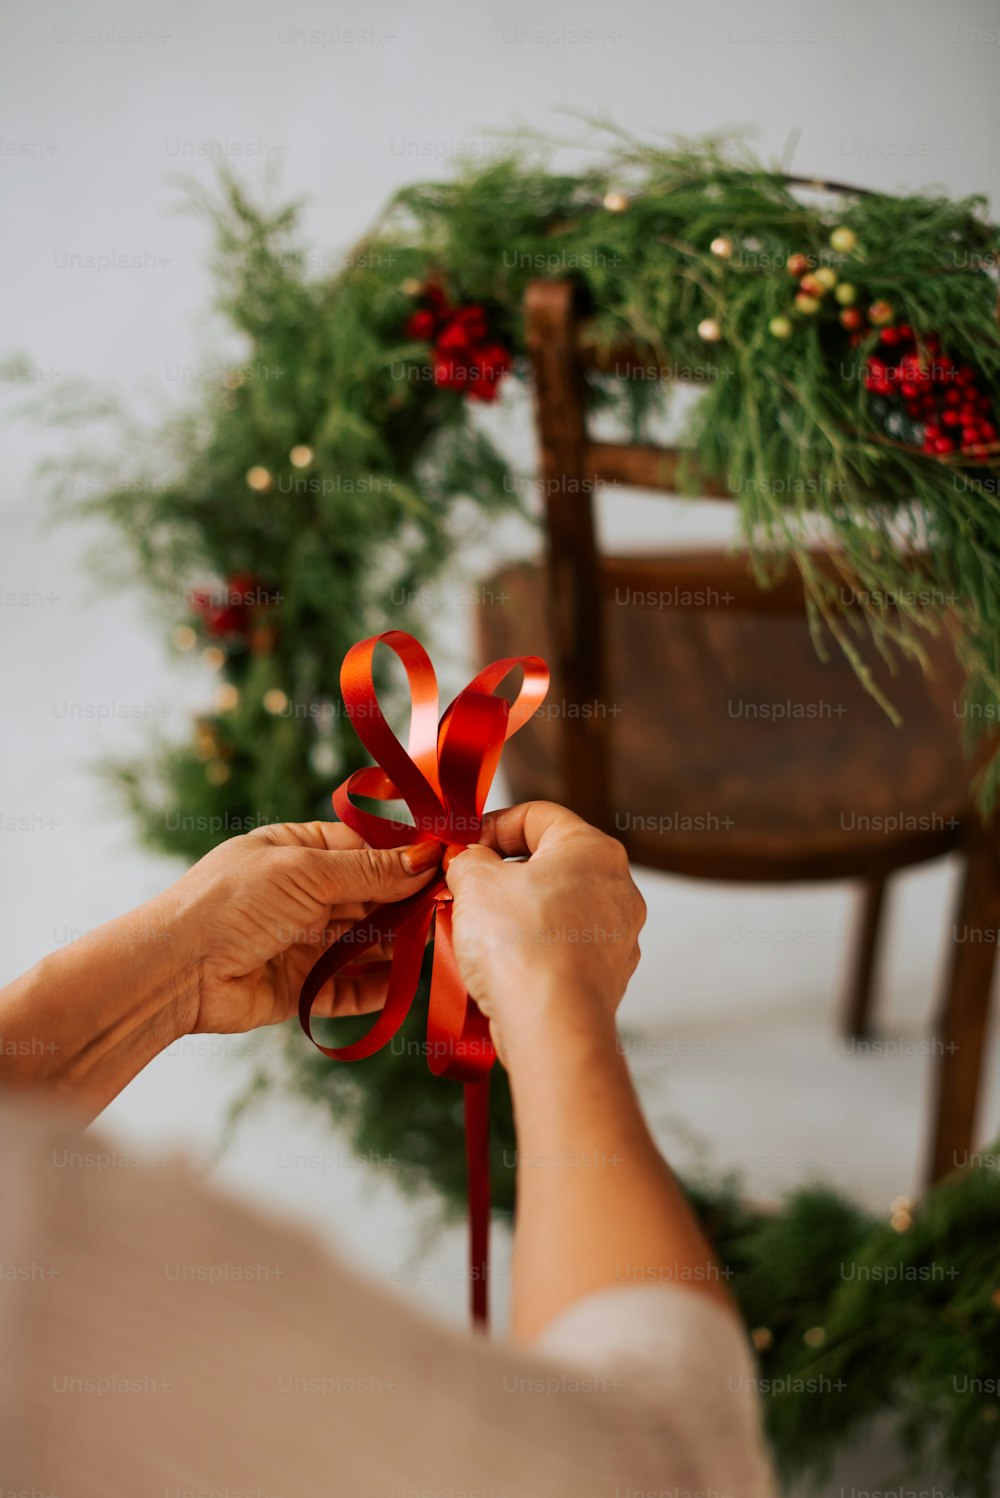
224,949
559,929
258,911
547,947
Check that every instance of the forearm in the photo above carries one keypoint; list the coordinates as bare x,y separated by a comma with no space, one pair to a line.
597,1206
85,1020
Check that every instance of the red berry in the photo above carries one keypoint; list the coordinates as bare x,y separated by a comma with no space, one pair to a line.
421,325
473,320
932,431
951,417
454,339
447,372
953,397
943,445
495,360
851,317
905,331
987,430
890,335
969,435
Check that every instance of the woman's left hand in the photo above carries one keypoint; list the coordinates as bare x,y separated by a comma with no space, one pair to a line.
224,949
257,911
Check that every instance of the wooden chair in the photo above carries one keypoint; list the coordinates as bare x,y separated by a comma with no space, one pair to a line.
697,723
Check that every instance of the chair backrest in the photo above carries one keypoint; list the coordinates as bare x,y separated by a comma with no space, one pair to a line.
573,468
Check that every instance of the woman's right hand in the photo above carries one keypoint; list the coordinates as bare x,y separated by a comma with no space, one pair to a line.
547,947
552,937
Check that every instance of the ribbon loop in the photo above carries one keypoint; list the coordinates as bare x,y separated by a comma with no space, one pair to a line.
413,769
444,776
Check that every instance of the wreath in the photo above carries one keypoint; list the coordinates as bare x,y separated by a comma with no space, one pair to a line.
325,476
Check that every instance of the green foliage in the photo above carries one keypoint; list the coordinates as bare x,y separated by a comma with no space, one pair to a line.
415,1129
395,460
867,1320
382,504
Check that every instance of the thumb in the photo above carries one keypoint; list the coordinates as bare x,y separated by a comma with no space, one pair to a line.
382,874
471,868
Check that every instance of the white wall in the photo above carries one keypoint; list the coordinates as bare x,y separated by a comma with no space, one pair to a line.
886,94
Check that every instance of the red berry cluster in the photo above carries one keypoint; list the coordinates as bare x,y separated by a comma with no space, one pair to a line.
944,400
463,357
231,611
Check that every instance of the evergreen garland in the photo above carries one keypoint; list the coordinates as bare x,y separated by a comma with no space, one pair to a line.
855,1319
331,472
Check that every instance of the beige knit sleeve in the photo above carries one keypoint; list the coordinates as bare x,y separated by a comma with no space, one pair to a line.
161,1341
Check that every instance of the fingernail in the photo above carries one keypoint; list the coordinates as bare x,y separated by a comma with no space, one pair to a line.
419,857
450,854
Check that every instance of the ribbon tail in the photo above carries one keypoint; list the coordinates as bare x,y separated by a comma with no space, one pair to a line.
458,1033
460,1048
477,1158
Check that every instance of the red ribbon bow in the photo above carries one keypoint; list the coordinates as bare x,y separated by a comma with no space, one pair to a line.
444,776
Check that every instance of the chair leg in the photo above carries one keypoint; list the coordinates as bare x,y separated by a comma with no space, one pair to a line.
965,1016
857,1014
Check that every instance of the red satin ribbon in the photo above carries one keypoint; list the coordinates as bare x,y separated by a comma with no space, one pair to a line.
444,776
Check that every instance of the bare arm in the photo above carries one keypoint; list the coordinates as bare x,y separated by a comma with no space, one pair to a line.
224,949
86,1019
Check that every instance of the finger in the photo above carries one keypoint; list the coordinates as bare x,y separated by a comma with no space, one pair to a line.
328,928
332,835
347,915
470,867
345,996
498,1045
356,874
362,994
302,955
374,957
518,830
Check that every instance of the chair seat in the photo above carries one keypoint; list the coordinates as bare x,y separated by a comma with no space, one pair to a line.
736,751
